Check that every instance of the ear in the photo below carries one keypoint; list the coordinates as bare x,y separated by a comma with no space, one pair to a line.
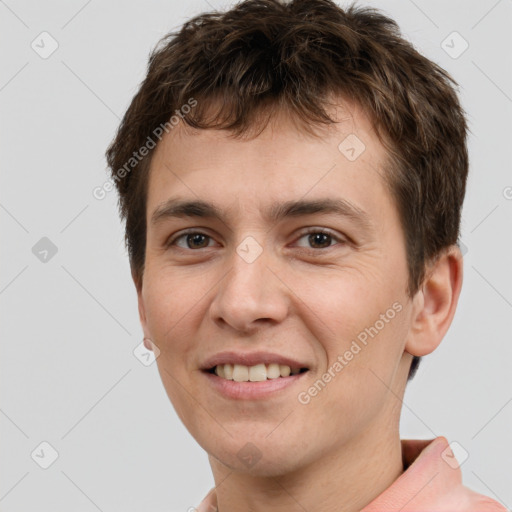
435,303
142,311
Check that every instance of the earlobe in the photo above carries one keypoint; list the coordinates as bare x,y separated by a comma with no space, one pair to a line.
435,303
148,344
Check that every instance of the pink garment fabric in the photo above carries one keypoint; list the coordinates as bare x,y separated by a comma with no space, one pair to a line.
431,482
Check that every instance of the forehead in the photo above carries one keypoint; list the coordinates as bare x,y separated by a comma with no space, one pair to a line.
285,162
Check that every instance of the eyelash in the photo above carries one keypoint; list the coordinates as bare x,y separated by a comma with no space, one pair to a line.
308,231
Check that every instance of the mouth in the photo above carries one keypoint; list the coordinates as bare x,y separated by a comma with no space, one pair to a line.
257,382
256,373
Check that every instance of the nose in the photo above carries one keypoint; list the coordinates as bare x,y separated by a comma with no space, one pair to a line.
250,294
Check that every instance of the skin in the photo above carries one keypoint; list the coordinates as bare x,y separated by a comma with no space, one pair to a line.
304,299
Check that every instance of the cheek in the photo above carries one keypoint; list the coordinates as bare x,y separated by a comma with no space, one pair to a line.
171,306
348,306
360,326
170,291
173,316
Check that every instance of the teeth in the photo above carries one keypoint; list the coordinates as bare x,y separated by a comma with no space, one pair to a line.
273,371
240,373
228,371
257,373
284,370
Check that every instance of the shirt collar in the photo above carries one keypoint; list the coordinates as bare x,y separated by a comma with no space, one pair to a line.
431,474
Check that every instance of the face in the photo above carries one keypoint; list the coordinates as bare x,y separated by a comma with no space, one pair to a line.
318,288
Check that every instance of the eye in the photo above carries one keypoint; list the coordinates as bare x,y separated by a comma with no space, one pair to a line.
320,238
316,238
193,240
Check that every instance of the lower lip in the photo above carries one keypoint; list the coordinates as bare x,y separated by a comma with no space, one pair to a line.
251,390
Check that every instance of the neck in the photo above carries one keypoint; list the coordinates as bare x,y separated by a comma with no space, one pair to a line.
347,478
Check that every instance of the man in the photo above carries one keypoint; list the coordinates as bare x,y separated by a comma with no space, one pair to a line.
319,163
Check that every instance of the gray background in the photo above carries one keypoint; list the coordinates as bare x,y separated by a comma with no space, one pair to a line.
69,320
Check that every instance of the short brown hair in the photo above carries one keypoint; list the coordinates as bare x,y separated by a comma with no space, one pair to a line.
265,53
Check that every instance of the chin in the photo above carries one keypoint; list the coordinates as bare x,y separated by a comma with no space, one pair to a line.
259,455
262,464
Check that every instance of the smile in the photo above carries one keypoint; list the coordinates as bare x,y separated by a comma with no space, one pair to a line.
265,387
257,373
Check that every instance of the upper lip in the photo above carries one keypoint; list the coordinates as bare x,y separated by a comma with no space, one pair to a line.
250,359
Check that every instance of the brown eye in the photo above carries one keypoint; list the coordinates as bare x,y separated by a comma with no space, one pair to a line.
320,239
196,240
193,240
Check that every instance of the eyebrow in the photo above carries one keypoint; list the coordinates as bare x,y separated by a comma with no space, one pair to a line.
178,208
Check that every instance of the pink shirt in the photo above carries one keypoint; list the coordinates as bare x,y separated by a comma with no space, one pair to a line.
431,482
